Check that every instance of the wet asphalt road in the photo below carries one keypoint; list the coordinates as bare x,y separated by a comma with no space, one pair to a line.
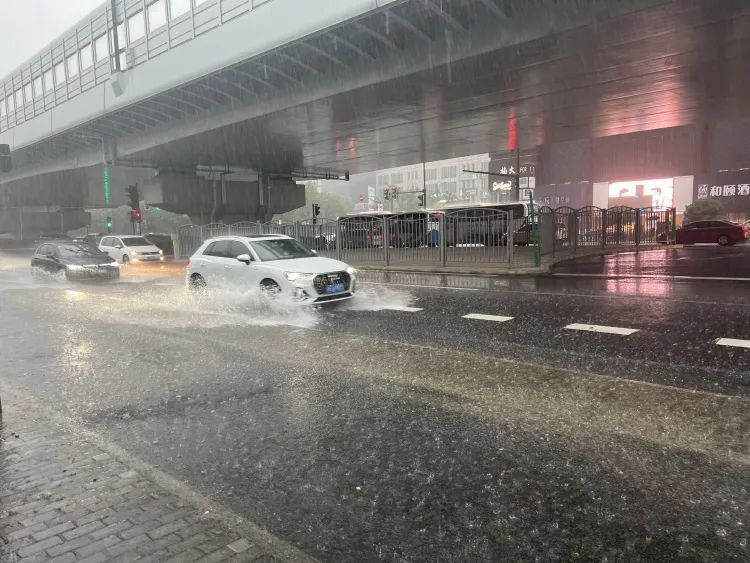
689,261
361,432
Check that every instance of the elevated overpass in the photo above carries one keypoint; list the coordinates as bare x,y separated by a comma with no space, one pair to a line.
284,88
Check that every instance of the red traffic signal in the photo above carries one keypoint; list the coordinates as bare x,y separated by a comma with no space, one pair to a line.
135,214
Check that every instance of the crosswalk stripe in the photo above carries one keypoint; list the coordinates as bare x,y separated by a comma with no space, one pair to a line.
481,317
603,329
733,342
404,309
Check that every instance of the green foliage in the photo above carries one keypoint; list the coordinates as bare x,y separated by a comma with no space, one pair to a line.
155,220
705,209
331,205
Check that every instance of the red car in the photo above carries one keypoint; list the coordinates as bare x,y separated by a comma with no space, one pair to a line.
722,233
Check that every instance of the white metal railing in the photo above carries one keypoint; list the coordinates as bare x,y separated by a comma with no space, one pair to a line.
84,56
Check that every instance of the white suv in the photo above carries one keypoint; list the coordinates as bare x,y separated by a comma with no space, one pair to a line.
130,248
274,264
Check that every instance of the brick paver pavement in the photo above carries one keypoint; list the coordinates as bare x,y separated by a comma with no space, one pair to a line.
66,495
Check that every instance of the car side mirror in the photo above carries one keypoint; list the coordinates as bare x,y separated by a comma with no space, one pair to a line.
314,252
244,258
118,246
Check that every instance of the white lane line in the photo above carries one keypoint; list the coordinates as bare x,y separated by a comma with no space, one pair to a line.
403,309
733,342
417,285
168,284
601,328
647,277
481,317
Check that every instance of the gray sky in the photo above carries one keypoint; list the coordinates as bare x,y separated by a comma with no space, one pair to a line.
27,26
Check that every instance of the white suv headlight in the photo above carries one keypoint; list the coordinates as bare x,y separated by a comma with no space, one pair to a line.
351,271
295,276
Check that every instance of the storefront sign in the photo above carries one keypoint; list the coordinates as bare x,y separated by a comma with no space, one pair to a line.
503,171
576,195
728,190
730,187
503,186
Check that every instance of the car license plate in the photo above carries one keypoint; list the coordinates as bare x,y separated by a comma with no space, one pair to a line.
335,288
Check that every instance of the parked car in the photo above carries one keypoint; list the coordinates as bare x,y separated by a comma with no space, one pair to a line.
77,261
162,241
274,264
91,239
47,237
362,230
722,233
131,248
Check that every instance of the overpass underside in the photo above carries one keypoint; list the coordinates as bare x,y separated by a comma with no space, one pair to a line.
425,80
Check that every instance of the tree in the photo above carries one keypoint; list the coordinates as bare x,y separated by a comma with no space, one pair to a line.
705,209
331,205
155,220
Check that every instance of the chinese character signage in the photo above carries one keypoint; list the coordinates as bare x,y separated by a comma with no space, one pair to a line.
504,170
731,188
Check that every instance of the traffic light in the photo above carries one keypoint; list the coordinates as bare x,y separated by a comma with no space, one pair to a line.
5,162
135,215
134,199
109,224
420,200
316,209
386,194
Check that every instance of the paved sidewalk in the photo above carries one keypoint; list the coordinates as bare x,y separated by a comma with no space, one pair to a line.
66,496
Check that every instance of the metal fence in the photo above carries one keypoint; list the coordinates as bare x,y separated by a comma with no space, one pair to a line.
566,230
479,236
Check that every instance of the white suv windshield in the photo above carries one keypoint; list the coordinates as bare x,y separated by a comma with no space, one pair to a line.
281,249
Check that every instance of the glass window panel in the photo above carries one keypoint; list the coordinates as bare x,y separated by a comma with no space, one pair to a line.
157,15
100,46
72,64
38,87
49,83
59,74
136,27
178,8
27,93
87,56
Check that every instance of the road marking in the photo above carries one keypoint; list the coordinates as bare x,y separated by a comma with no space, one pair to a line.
733,342
481,317
403,309
604,329
417,285
647,276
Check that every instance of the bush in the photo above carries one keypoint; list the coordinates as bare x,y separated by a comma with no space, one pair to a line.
705,209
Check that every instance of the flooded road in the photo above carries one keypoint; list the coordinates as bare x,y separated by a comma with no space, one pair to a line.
432,418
